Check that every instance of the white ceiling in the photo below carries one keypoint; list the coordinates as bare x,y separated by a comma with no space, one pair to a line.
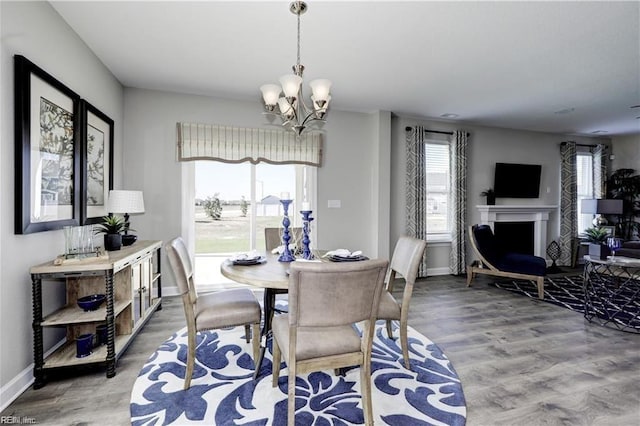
502,64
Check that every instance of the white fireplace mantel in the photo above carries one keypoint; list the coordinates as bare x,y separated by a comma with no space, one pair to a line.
539,215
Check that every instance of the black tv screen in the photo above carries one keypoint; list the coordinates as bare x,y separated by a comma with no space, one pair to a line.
517,180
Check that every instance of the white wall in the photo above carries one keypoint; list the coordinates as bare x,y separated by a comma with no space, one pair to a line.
347,173
627,152
486,147
36,31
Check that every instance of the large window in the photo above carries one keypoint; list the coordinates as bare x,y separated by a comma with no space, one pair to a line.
584,166
438,190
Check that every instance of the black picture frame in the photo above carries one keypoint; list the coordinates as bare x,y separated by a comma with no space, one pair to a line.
47,148
611,230
97,163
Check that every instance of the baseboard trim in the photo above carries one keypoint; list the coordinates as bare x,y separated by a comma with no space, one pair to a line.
438,271
21,382
16,386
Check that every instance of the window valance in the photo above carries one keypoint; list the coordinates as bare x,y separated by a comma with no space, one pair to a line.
238,144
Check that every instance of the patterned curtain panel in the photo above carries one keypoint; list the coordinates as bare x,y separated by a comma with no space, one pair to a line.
457,202
239,144
416,189
568,202
599,171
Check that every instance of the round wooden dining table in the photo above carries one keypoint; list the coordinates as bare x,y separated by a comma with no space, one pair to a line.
271,274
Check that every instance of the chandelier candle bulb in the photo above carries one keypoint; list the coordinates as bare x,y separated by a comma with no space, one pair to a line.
270,94
320,89
290,85
285,108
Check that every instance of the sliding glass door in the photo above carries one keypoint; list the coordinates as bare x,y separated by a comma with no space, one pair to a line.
234,203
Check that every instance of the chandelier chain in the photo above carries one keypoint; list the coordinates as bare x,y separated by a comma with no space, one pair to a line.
298,58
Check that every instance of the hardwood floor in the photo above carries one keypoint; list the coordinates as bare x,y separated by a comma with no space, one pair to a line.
521,362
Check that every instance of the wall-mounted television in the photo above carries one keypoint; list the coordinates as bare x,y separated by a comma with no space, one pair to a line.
517,180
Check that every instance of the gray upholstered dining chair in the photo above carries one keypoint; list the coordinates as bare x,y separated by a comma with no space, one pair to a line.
209,311
273,237
325,300
405,261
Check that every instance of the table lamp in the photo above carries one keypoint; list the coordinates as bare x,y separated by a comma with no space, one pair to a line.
600,207
126,202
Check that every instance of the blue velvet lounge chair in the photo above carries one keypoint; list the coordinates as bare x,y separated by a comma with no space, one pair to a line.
495,261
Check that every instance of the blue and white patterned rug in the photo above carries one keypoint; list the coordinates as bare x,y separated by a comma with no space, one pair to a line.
223,391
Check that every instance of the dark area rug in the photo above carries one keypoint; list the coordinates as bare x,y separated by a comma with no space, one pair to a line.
622,311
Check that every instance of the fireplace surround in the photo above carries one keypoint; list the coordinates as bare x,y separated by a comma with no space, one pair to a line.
539,215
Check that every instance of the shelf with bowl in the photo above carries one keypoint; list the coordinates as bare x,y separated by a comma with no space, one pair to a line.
72,314
65,355
129,278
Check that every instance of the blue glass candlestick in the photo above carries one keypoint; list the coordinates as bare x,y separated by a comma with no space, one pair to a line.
286,255
306,221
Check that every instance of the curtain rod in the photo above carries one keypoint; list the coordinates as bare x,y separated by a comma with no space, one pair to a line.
580,144
434,131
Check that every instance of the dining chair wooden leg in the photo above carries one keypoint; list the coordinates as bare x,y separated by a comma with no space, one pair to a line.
291,394
277,360
389,329
404,344
191,359
256,344
247,335
365,389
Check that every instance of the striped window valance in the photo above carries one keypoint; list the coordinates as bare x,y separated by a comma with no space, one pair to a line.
238,144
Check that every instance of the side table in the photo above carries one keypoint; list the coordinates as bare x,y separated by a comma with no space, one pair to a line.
612,292
130,280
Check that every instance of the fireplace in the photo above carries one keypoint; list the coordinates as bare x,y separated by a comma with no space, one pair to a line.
516,237
538,216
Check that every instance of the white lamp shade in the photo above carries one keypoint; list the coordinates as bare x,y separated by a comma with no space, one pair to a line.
320,89
270,93
285,107
290,85
121,201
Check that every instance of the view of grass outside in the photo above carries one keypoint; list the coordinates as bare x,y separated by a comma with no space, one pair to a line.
231,233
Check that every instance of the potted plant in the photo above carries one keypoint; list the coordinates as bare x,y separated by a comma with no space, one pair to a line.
597,238
491,196
111,227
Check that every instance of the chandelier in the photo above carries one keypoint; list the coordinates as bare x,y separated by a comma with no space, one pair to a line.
291,108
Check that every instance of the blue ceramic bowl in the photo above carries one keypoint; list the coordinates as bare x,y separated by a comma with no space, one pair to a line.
92,302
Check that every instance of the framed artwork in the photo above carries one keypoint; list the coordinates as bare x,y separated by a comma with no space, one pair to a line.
611,230
97,163
47,184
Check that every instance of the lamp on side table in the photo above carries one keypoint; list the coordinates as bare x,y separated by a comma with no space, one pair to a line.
126,202
600,207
